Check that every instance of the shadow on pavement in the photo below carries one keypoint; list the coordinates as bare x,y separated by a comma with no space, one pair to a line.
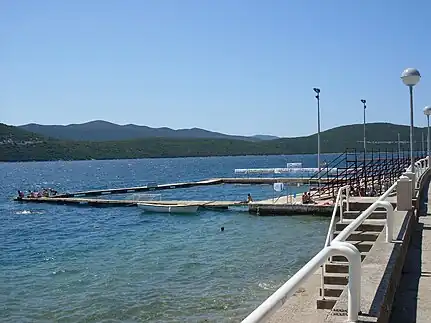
405,303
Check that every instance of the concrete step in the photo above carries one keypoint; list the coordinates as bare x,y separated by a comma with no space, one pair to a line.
344,259
336,279
332,290
361,206
354,214
327,303
363,246
366,226
361,236
337,267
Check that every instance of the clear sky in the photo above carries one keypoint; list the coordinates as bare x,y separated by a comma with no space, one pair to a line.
234,66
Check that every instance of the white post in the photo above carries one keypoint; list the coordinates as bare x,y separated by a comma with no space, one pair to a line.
423,142
412,160
412,177
322,280
341,207
399,144
354,278
318,133
389,220
428,136
365,141
404,193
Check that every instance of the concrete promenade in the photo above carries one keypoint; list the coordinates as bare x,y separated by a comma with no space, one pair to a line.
413,298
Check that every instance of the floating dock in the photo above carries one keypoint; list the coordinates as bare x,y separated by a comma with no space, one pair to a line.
283,205
265,207
207,182
270,180
146,188
106,202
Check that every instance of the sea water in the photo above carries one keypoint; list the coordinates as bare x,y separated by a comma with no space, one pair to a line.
86,264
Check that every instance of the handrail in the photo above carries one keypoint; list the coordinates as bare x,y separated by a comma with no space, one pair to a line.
335,162
338,203
280,296
347,231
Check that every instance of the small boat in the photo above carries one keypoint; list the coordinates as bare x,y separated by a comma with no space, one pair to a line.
168,208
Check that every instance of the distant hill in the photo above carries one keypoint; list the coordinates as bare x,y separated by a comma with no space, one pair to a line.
106,131
17,144
11,133
265,137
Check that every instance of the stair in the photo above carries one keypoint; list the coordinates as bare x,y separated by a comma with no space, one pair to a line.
377,215
332,290
327,303
363,206
344,259
367,225
336,275
361,236
336,279
341,267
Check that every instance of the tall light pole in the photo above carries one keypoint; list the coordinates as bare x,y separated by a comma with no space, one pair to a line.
411,77
317,90
422,142
364,102
399,144
427,112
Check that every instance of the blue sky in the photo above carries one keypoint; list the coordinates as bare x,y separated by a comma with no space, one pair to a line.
234,66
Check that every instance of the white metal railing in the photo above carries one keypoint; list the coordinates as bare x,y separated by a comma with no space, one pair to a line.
336,246
421,166
337,206
347,231
276,300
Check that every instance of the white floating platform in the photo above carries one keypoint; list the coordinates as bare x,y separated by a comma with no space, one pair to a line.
290,170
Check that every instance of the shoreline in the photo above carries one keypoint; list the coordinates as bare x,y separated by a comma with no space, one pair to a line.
161,157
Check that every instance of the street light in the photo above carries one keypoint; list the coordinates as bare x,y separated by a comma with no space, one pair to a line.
364,102
399,145
317,90
427,112
411,77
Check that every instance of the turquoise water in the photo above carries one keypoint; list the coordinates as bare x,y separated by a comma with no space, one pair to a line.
83,264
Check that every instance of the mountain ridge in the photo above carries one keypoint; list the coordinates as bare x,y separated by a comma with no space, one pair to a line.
100,130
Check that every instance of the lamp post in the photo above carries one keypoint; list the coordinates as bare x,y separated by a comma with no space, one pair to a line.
317,90
364,102
422,143
399,145
411,77
427,112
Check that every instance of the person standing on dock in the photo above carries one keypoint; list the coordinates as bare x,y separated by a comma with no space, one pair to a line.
249,198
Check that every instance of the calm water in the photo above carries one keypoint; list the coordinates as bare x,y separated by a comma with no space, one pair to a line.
82,264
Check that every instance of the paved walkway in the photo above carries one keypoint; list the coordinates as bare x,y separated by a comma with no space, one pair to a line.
413,298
